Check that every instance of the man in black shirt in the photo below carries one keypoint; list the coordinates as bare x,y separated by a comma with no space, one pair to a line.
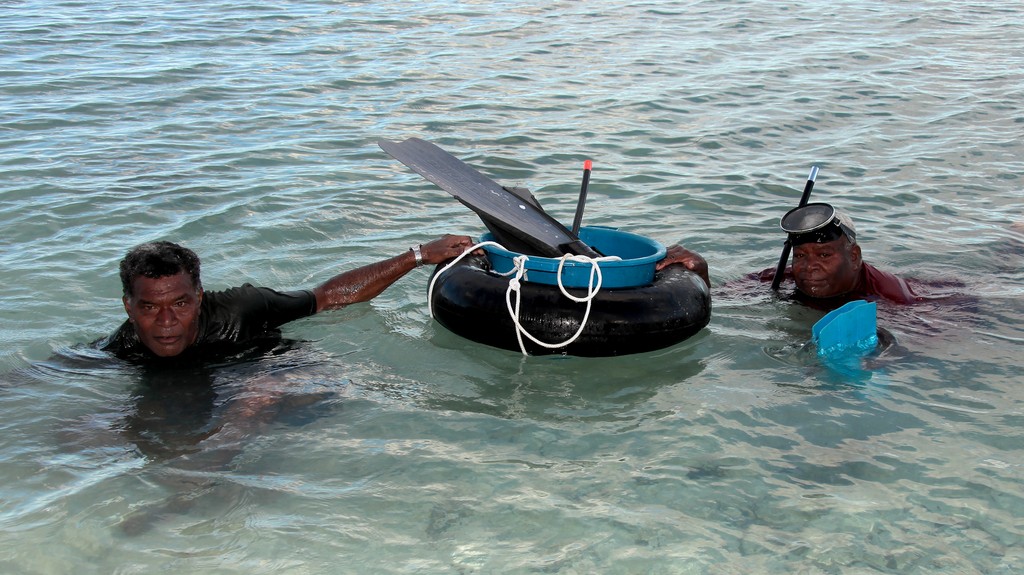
170,316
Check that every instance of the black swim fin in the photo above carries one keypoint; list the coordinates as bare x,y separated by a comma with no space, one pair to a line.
518,220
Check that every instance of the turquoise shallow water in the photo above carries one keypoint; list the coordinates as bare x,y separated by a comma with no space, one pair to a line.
247,131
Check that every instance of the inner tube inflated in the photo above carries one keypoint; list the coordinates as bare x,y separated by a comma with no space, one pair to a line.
469,300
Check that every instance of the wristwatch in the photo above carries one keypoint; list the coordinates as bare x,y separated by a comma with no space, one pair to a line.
419,256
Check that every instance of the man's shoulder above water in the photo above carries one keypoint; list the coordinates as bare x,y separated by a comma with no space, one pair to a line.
887,286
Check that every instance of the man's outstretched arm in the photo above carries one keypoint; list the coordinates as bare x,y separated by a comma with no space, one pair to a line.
367,282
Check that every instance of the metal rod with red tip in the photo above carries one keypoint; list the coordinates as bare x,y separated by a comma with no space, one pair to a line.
587,165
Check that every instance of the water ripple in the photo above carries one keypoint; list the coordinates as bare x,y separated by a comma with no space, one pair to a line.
248,131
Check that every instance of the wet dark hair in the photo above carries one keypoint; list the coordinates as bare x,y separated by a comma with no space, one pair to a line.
156,260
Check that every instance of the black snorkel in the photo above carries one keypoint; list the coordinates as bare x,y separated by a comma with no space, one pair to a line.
780,270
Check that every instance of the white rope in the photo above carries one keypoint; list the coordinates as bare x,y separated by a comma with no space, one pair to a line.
451,264
515,283
592,291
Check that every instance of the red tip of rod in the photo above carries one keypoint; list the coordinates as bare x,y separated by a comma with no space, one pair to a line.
588,165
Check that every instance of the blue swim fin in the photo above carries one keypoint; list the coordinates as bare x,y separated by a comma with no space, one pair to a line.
851,328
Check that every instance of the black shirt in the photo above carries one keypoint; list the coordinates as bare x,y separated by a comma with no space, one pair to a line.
230,322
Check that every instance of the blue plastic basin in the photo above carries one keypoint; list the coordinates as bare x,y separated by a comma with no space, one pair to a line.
636,268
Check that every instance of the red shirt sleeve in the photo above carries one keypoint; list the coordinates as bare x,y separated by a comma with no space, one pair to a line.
887,286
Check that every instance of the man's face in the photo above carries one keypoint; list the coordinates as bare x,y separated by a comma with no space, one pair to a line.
165,312
826,270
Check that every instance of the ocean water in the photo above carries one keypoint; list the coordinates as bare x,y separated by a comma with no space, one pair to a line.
248,132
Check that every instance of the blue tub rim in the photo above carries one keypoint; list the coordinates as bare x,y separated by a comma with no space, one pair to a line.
638,269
